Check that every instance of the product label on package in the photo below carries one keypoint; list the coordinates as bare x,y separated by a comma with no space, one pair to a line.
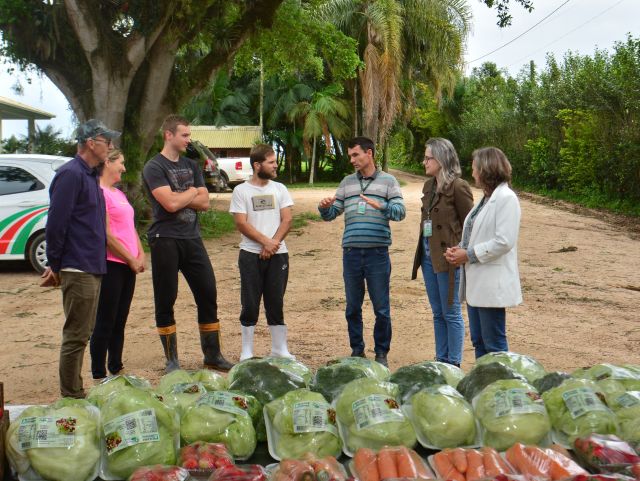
518,401
581,401
607,371
375,409
313,417
629,399
225,401
131,429
188,388
46,432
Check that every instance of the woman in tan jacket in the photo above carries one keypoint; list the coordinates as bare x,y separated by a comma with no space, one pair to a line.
446,202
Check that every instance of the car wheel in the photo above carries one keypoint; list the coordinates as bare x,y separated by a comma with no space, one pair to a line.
38,253
224,181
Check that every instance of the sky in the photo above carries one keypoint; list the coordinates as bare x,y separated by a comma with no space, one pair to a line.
578,25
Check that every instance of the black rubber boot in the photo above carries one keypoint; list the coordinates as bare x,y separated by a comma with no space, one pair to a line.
382,359
170,346
213,359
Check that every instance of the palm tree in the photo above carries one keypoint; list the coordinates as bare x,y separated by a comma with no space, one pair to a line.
400,39
322,115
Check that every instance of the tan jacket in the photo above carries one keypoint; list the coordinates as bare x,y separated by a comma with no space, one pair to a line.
449,209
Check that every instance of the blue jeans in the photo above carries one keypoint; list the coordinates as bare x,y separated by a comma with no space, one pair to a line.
448,324
487,326
372,265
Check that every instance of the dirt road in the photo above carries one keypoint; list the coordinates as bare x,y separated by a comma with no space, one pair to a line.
581,306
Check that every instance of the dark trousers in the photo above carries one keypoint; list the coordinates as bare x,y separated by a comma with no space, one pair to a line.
116,293
170,256
262,278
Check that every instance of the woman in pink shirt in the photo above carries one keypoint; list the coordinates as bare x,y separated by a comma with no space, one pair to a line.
125,259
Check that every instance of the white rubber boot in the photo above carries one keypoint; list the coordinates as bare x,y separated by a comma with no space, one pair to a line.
279,342
247,342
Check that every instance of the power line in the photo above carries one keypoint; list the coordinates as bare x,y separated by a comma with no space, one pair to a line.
567,34
519,36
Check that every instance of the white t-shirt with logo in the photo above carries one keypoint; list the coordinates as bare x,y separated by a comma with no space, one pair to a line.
262,206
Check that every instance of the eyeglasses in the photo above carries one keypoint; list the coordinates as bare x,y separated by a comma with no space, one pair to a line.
107,142
427,158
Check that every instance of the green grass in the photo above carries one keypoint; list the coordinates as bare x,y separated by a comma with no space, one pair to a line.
216,223
316,185
302,219
417,169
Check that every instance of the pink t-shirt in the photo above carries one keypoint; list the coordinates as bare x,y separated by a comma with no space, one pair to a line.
121,222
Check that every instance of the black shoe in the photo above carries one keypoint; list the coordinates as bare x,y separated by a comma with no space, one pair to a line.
170,346
213,358
358,354
382,359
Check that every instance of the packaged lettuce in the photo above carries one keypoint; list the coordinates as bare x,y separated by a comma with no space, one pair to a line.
369,416
451,373
626,405
59,442
627,376
442,418
511,411
520,363
413,378
221,417
301,422
137,430
576,410
180,389
98,394
293,369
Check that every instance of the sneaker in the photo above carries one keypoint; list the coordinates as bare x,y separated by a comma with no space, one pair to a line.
382,359
358,354
98,380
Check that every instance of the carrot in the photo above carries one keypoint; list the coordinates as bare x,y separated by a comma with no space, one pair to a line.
406,465
459,459
387,464
366,465
538,462
422,470
561,467
522,462
493,463
475,465
445,467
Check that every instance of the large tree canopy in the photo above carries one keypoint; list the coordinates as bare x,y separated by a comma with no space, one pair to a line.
129,63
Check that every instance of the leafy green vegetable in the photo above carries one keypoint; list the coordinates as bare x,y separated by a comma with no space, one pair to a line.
482,375
576,409
413,378
451,373
74,420
524,365
229,423
121,463
294,443
511,411
550,380
443,417
293,369
179,376
380,421
99,394
211,380
626,405
330,379
627,376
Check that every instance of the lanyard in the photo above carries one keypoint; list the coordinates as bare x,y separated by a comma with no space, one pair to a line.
364,188
431,204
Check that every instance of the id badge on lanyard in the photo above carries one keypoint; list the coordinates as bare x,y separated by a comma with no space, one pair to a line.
362,207
427,228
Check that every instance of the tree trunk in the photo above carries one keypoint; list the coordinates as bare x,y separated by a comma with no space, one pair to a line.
313,161
385,156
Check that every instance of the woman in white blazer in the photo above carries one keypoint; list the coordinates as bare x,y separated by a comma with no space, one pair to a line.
489,253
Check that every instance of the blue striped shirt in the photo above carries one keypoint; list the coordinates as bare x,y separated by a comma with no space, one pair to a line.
370,229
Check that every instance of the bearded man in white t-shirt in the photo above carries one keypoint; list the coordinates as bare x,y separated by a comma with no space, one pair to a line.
261,209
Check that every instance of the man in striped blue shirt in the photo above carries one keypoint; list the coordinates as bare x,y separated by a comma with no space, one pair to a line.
369,199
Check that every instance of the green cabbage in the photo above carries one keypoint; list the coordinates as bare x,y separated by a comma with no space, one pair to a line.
413,378
230,423
511,411
453,374
98,394
583,412
372,432
211,380
625,375
524,365
443,418
123,462
78,462
289,443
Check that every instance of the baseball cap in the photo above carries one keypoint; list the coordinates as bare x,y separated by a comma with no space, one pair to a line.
92,128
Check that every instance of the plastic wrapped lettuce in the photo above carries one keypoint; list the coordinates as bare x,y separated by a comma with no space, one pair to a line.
482,375
413,378
137,430
59,442
211,380
451,373
301,422
295,369
180,389
330,379
442,418
98,394
221,417
520,363
511,411
576,410
627,376
550,380
626,405
369,416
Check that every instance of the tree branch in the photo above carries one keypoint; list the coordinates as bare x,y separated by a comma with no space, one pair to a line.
83,25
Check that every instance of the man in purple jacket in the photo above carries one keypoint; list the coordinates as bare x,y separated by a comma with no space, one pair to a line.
77,246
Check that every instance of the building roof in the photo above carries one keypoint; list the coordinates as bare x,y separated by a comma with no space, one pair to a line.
12,110
228,137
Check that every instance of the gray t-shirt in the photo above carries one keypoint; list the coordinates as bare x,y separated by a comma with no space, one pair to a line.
180,175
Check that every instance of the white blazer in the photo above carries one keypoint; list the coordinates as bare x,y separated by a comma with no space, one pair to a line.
494,281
